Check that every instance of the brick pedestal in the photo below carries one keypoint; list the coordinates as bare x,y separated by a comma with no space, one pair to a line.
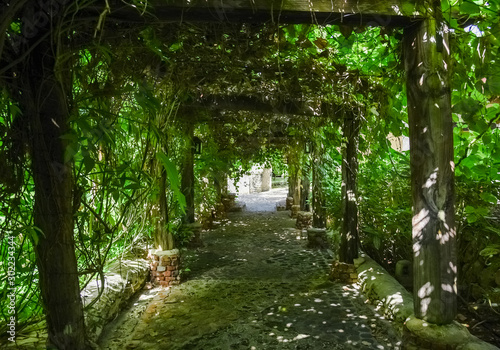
165,267
345,273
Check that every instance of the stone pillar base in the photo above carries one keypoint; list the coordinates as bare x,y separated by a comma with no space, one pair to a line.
304,220
289,203
165,267
421,335
295,211
345,273
316,238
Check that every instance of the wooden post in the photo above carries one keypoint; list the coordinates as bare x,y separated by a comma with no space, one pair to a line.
295,174
187,180
317,189
305,184
163,237
45,105
349,240
426,50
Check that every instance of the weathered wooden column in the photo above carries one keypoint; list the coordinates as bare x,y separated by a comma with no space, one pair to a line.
317,188
163,237
305,183
349,240
426,49
294,177
44,100
187,179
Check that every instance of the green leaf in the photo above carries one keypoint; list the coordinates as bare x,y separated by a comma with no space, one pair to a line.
133,186
377,242
468,7
34,233
487,139
491,250
173,178
470,209
176,46
488,197
89,163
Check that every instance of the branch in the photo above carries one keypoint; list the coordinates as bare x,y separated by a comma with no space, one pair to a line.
394,165
25,54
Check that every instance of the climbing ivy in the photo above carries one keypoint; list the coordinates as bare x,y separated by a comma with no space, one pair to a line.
130,98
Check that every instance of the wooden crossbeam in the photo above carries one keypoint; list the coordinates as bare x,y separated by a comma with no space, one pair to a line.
396,13
260,105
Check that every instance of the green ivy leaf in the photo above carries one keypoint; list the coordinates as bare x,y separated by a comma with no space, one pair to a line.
470,8
490,250
488,197
493,84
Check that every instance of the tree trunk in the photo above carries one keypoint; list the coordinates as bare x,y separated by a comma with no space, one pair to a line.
317,190
46,106
432,169
187,180
349,240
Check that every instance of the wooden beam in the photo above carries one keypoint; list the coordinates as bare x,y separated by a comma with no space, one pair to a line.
396,13
426,51
261,105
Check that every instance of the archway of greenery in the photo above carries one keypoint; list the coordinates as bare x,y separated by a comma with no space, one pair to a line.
120,104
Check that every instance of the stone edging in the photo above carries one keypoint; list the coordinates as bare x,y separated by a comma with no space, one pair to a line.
385,291
124,279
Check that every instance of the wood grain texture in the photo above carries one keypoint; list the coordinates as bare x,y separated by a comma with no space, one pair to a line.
261,104
46,108
361,12
349,242
426,52
187,177
319,216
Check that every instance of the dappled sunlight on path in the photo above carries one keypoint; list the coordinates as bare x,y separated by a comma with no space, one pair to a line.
254,285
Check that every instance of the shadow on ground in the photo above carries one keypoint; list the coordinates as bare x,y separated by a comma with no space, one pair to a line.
254,285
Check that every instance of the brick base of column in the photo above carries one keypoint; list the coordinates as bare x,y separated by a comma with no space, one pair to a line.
165,267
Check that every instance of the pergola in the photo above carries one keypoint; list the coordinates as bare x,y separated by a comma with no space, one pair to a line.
426,53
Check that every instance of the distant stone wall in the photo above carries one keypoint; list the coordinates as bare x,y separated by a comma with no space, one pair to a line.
257,180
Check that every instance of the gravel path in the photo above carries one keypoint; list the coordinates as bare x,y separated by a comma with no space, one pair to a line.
254,285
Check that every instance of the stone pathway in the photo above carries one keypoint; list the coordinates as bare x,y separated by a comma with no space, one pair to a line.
254,285
263,201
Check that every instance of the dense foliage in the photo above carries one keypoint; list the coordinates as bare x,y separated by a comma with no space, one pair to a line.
133,100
